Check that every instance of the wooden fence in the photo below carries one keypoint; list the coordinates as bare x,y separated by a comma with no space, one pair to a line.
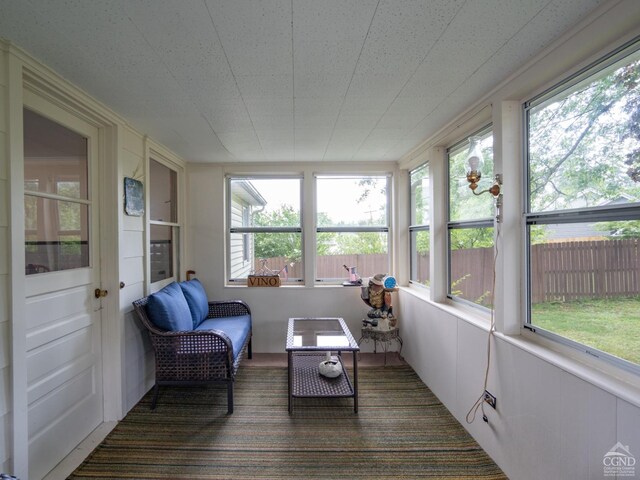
561,271
591,269
331,266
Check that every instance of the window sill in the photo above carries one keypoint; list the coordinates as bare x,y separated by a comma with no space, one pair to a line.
614,380
290,285
474,316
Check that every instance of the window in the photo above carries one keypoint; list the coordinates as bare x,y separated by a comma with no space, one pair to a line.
164,228
352,226
470,225
419,226
56,201
583,210
264,227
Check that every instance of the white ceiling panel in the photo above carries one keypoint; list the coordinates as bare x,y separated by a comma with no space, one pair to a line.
328,38
255,35
274,137
269,106
311,143
288,80
271,123
243,145
265,86
229,118
375,145
344,144
368,106
304,122
323,106
348,122
320,84
401,35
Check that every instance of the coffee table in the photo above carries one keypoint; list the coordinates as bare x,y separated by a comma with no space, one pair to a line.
308,341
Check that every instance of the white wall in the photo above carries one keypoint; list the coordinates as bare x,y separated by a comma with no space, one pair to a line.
127,356
138,364
138,354
558,411
550,422
271,307
557,414
5,327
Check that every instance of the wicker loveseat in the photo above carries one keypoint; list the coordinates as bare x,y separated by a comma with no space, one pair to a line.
195,341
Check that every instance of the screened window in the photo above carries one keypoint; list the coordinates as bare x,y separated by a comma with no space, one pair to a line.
352,219
264,228
470,224
583,210
419,232
164,228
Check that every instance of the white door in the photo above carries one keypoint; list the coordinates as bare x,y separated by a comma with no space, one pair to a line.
64,364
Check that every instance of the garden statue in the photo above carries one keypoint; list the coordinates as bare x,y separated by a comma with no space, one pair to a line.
378,296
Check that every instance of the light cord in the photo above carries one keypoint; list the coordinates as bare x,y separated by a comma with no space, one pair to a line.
479,404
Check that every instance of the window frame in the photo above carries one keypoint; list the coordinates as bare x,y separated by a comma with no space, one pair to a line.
175,226
488,222
247,231
386,229
585,215
415,228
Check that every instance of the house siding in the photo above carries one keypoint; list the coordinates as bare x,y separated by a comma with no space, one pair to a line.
239,268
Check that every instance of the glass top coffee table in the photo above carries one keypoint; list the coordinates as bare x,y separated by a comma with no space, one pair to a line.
308,341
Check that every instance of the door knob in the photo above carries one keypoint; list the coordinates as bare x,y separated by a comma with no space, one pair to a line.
100,293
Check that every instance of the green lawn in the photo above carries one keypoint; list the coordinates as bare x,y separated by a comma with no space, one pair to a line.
611,325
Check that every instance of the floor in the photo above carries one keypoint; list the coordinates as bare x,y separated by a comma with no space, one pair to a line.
69,464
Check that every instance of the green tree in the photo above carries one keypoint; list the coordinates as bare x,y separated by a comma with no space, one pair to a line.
360,243
584,149
269,245
622,230
465,238
288,245
423,242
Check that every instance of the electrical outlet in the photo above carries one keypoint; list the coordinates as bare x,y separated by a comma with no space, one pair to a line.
490,399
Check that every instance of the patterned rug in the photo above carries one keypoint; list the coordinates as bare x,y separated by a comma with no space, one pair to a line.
401,431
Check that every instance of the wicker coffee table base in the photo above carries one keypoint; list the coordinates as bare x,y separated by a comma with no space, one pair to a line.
305,380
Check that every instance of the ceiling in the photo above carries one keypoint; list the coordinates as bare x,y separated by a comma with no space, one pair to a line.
288,80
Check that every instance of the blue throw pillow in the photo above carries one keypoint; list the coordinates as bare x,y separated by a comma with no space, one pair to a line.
196,299
168,309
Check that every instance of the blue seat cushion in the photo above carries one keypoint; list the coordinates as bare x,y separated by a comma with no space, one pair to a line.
196,299
168,309
237,329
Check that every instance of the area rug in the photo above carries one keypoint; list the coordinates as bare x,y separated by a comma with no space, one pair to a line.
400,431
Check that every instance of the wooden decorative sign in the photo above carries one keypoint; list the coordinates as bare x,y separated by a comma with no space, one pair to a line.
263,281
